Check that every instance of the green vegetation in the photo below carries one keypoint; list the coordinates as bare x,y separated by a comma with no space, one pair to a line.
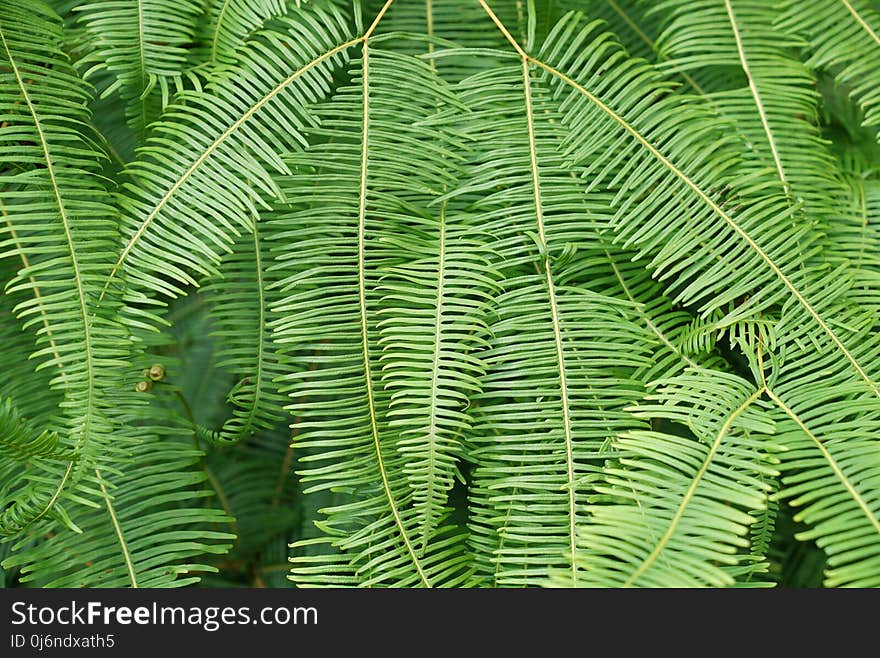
440,293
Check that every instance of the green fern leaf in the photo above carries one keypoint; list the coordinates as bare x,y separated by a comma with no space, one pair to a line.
223,171
340,255
844,38
60,226
144,45
678,508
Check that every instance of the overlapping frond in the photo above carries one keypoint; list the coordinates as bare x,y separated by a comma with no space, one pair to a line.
21,441
240,301
453,32
858,234
831,470
231,21
59,226
844,38
189,198
831,474
666,167
365,427
432,321
776,109
144,44
24,382
680,340
555,391
636,27
674,510
147,530
560,359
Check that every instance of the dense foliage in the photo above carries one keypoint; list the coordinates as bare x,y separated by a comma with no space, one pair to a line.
440,292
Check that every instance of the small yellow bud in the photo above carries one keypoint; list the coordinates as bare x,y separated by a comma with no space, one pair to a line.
157,372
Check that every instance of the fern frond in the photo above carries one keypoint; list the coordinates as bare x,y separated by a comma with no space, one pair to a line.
231,21
144,532
21,442
144,44
636,28
677,509
443,30
432,322
240,300
776,110
561,357
844,38
58,223
340,254
199,193
831,470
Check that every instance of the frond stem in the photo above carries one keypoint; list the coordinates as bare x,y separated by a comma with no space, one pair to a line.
376,21
756,94
504,30
122,544
861,21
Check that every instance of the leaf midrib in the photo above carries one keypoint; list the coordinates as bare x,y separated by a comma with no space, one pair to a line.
217,30
756,93
261,322
50,168
861,21
435,377
554,312
143,60
832,463
648,321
